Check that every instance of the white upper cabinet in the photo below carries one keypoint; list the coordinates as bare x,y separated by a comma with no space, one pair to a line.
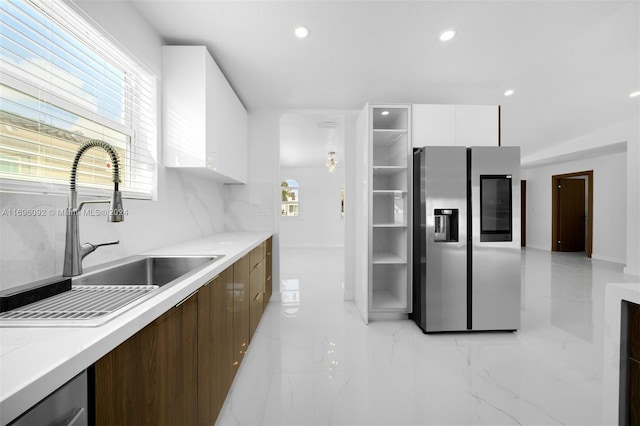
204,122
477,125
434,125
455,125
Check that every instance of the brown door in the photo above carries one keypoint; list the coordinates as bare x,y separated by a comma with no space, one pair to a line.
571,214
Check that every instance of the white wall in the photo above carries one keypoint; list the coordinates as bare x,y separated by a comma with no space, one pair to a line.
609,209
255,206
319,223
187,207
627,132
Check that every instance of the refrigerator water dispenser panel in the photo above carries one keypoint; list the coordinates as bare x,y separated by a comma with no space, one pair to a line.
446,225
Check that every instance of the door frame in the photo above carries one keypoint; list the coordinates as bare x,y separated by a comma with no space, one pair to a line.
523,213
554,209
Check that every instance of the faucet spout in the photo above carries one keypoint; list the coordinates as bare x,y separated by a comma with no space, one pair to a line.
74,252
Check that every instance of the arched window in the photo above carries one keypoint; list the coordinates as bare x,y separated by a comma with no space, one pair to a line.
290,199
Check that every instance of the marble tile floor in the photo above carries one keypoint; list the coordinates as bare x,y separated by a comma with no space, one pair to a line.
314,362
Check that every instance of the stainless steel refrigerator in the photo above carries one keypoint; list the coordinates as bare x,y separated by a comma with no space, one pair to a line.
466,238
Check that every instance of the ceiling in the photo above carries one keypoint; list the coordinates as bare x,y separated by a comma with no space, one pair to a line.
572,64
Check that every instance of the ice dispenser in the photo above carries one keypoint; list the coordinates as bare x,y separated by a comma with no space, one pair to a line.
446,225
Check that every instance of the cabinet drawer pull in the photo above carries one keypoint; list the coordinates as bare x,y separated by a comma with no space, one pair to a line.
186,298
211,280
78,413
257,295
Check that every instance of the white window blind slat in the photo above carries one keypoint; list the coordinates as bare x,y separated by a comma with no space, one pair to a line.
62,83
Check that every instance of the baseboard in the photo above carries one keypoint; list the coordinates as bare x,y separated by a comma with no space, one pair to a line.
275,298
607,259
537,247
387,316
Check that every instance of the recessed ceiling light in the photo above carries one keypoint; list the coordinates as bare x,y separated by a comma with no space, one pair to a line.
447,35
635,94
302,31
384,113
508,92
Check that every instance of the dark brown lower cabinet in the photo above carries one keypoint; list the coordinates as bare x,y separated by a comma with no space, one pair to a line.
241,300
256,288
178,370
215,345
633,365
633,399
268,284
151,379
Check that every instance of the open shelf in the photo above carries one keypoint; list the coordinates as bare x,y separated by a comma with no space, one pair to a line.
387,138
390,241
386,294
389,208
394,153
383,258
390,118
390,168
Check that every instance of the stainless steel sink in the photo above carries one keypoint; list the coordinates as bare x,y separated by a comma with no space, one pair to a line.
146,271
98,296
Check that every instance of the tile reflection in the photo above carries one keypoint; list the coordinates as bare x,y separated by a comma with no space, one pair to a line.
325,366
572,294
290,296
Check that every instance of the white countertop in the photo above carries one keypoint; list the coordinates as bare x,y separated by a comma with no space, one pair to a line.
36,361
615,294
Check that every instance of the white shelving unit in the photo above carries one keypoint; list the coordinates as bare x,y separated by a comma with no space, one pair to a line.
389,218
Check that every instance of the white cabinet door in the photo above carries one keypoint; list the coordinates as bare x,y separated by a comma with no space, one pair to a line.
433,125
477,125
204,122
183,107
455,125
232,137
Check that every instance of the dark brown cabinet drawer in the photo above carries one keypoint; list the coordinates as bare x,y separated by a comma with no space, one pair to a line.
268,259
242,298
257,254
256,289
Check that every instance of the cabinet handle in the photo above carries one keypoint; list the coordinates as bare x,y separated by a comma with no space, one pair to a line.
211,280
257,295
78,413
186,298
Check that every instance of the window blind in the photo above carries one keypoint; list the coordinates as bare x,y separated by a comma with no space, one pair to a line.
62,83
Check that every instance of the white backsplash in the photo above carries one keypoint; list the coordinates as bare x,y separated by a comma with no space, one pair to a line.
32,248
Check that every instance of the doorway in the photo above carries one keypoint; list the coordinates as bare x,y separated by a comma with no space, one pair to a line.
311,214
572,212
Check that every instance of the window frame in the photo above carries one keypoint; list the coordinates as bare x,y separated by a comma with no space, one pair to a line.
139,117
289,203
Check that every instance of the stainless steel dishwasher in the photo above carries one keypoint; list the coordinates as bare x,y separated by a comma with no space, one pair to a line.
65,406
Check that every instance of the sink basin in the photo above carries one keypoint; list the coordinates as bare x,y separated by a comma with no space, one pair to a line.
146,271
98,296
